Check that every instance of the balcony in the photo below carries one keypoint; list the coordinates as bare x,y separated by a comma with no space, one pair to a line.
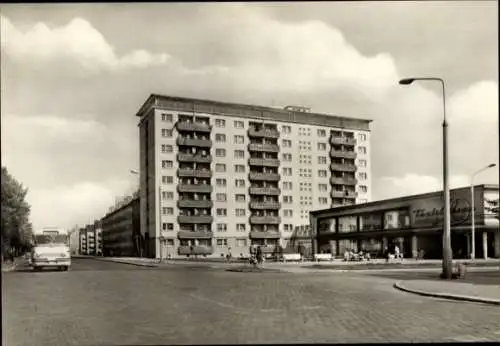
343,154
193,173
200,188
344,194
265,205
270,148
195,250
343,167
343,181
195,235
265,133
264,235
266,191
264,162
191,203
264,176
343,140
193,126
194,142
194,158
265,220
194,219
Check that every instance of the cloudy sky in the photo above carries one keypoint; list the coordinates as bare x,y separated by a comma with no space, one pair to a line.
73,77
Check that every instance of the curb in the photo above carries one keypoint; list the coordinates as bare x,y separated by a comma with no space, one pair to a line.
400,287
122,262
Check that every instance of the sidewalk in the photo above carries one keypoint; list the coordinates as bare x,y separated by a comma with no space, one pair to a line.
452,289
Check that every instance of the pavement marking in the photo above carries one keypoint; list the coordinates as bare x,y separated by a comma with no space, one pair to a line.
216,302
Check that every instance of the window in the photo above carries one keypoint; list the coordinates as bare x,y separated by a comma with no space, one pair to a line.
287,185
239,198
363,188
167,211
287,143
239,124
239,154
288,213
166,133
240,212
287,171
167,179
287,157
220,137
222,242
166,148
240,227
221,227
239,183
323,187
221,197
167,117
286,129
288,227
287,199
321,133
322,160
362,137
362,150
322,173
241,242
362,163
170,242
167,226
239,139
220,152
362,176
323,200
167,195
363,201
167,164
220,123
221,211
239,168
322,146
220,182
220,167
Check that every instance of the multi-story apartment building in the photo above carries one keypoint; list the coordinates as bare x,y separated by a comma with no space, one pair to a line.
217,177
91,239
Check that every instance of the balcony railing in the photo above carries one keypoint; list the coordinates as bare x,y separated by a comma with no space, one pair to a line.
264,235
343,140
266,133
343,194
264,176
195,173
195,235
191,203
194,219
343,167
343,181
266,191
193,126
201,188
195,250
264,162
194,158
268,220
343,154
265,205
270,148
194,142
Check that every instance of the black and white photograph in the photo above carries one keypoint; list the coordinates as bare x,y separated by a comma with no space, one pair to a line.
201,173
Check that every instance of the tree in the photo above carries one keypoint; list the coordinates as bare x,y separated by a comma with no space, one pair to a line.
16,230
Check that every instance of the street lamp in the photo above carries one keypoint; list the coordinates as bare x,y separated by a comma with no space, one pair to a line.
473,221
161,238
447,254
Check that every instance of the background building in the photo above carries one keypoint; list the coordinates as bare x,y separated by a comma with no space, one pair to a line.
121,231
217,177
91,239
414,223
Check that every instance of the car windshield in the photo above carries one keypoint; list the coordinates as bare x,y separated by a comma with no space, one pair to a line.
44,239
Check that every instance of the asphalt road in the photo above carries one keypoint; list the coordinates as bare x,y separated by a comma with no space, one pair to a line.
103,303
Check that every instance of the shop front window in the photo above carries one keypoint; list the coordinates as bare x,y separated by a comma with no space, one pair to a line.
370,222
348,224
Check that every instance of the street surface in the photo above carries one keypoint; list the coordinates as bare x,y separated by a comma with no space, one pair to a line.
105,303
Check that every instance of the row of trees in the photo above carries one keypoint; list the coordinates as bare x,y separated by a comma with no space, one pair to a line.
17,230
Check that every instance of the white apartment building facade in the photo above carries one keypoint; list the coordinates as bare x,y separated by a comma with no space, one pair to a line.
217,177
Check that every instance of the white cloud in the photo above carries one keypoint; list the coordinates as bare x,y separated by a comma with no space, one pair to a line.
78,41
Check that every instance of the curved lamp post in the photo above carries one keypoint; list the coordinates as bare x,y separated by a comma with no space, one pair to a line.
473,221
447,253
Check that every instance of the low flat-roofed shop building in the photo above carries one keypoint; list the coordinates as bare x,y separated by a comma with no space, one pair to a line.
414,223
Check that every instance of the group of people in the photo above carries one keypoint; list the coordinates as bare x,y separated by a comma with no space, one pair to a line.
350,255
256,256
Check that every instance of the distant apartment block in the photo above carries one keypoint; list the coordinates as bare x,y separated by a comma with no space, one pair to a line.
217,177
91,239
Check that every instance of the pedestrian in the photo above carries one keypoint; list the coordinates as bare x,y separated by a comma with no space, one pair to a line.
396,252
259,255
